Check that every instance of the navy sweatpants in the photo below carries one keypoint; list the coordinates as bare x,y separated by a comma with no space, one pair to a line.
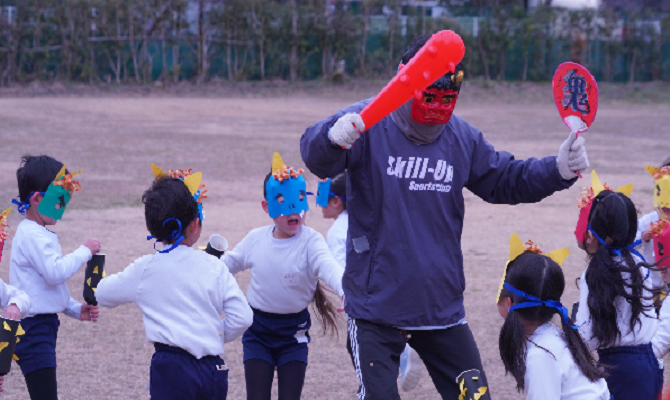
633,372
176,375
37,348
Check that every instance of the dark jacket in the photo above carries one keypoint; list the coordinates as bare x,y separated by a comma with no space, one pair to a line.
406,209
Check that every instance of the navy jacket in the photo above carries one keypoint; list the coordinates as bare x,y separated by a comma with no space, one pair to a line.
406,209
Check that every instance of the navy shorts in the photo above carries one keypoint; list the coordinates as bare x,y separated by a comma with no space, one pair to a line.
277,338
37,348
634,372
176,375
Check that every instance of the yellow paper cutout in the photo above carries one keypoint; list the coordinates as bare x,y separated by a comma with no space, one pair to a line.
88,281
596,184
559,255
5,213
6,325
104,274
3,345
158,173
20,331
61,173
192,182
482,391
18,339
95,270
15,357
277,162
516,247
651,170
626,189
93,289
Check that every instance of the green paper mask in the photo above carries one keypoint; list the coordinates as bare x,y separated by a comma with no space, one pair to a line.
54,202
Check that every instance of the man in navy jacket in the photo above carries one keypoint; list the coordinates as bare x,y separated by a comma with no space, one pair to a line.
404,279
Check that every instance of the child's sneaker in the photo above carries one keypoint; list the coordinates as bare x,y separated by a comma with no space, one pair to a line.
410,369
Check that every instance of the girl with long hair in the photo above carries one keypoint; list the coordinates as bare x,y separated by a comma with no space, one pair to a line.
546,361
616,311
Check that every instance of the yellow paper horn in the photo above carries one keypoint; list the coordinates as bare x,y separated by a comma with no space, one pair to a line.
192,182
158,173
277,163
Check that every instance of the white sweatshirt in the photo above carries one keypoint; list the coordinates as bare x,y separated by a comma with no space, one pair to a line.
38,268
551,371
181,294
11,295
337,238
647,248
643,333
284,271
661,340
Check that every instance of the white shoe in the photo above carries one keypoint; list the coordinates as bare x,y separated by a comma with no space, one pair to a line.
410,369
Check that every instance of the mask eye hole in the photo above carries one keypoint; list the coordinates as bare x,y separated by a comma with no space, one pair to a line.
428,98
661,250
446,100
301,196
280,198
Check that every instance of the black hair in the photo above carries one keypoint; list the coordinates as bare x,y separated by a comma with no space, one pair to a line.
338,185
666,163
168,198
326,312
36,174
414,46
614,219
539,276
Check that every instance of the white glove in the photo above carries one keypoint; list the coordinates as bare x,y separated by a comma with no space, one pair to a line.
572,159
346,130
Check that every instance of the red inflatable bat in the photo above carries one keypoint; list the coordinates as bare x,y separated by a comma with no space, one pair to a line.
443,51
576,96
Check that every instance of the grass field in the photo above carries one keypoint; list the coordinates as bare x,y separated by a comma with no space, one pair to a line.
114,136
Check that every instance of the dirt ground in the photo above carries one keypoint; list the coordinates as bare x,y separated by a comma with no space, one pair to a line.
230,139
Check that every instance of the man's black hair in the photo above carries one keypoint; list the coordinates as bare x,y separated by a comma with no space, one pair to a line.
168,198
338,185
36,174
414,46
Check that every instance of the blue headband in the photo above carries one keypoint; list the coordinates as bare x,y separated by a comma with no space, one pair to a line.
631,247
176,234
24,205
534,302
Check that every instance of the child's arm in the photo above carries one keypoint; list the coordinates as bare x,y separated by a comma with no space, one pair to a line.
324,265
543,376
235,259
121,288
9,295
661,340
238,313
47,261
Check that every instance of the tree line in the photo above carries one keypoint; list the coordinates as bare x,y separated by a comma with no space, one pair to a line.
167,41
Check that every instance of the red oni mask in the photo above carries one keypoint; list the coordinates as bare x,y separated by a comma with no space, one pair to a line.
435,104
434,107
662,248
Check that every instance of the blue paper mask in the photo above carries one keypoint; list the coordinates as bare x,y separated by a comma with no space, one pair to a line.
323,193
58,195
286,190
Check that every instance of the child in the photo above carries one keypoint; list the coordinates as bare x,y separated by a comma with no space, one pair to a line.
546,362
336,208
38,268
617,313
286,260
662,201
182,293
15,302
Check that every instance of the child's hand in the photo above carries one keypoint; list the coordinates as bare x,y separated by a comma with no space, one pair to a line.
12,312
341,308
646,235
89,313
93,245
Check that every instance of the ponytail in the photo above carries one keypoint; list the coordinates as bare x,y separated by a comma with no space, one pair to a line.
613,220
326,312
512,344
581,354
